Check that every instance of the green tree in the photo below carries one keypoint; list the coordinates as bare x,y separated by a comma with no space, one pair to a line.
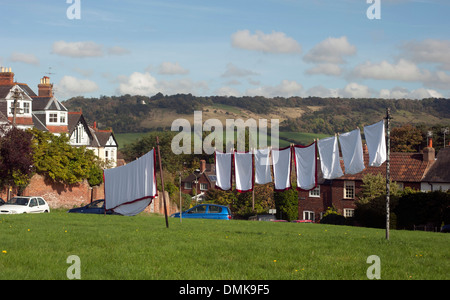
286,203
54,157
406,138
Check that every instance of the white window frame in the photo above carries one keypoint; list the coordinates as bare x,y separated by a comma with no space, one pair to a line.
349,212
309,215
203,186
188,185
349,190
53,116
315,193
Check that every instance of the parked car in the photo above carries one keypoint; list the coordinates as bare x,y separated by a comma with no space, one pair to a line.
25,205
302,221
95,207
206,211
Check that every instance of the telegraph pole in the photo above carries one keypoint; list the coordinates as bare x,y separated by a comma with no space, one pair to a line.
162,182
388,171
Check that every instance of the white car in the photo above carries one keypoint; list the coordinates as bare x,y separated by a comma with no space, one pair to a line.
25,205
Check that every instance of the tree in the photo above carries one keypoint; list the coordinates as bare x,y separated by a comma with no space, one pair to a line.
56,158
406,138
286,203
16,157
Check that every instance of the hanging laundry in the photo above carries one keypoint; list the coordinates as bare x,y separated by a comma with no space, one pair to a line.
223,170
329,158
262,166
376,143
243,171
305,158
352,151
282,168
130,189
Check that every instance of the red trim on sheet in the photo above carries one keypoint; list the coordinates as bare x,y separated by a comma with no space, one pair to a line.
231,171
290,171
315,163
253,170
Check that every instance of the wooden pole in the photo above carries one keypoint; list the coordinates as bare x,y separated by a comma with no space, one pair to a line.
162,182
388,171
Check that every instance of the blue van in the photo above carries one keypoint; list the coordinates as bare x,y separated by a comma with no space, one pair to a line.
206,211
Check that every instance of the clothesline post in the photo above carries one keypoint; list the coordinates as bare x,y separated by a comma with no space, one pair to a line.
388,171
162,182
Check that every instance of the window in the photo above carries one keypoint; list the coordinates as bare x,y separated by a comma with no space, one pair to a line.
349,189
26,107
203,186
62,118
308,215
41,201
201,209
53,118
33,202
214,209
188,185
349,212
315,192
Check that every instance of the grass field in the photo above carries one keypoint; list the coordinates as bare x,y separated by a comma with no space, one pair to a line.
140,247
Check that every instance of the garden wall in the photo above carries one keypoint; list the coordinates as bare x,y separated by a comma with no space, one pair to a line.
64,196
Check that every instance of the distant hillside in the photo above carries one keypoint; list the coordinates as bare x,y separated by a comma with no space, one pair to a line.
127,113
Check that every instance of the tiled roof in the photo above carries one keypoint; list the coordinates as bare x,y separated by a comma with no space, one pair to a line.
404,167
440,170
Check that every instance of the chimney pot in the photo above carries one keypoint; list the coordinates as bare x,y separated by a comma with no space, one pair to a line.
202,165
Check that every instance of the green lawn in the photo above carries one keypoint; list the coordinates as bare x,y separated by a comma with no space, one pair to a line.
140,247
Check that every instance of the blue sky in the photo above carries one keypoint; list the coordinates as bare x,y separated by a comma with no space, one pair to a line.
227,47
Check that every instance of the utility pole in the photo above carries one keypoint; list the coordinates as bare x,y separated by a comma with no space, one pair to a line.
162,182
388,171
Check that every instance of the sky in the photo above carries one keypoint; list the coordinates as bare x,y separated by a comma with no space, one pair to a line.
325,48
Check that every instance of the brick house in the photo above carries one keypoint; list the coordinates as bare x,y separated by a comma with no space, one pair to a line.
407,169
46,113
201,182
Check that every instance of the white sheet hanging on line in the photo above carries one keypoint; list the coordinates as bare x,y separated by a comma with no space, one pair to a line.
352,151
305,158
243,171
329,158
376,143
282,168
262,166
130,189
223,170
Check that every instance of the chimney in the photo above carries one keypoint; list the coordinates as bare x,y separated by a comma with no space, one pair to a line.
6,76
95,124
429,152
45,87
365,149
202,165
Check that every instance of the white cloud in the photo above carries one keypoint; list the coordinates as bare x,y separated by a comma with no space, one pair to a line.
77,49
327,69
428,51
25,58
355,90
400,93
70,86
234,71
330,50
403,70
227,91
286,88
146,85
116,50
170,68
275,42
138,84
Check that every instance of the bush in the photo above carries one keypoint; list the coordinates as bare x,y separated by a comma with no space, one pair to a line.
334,219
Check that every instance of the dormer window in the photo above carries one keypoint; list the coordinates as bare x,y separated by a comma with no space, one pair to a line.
53,118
